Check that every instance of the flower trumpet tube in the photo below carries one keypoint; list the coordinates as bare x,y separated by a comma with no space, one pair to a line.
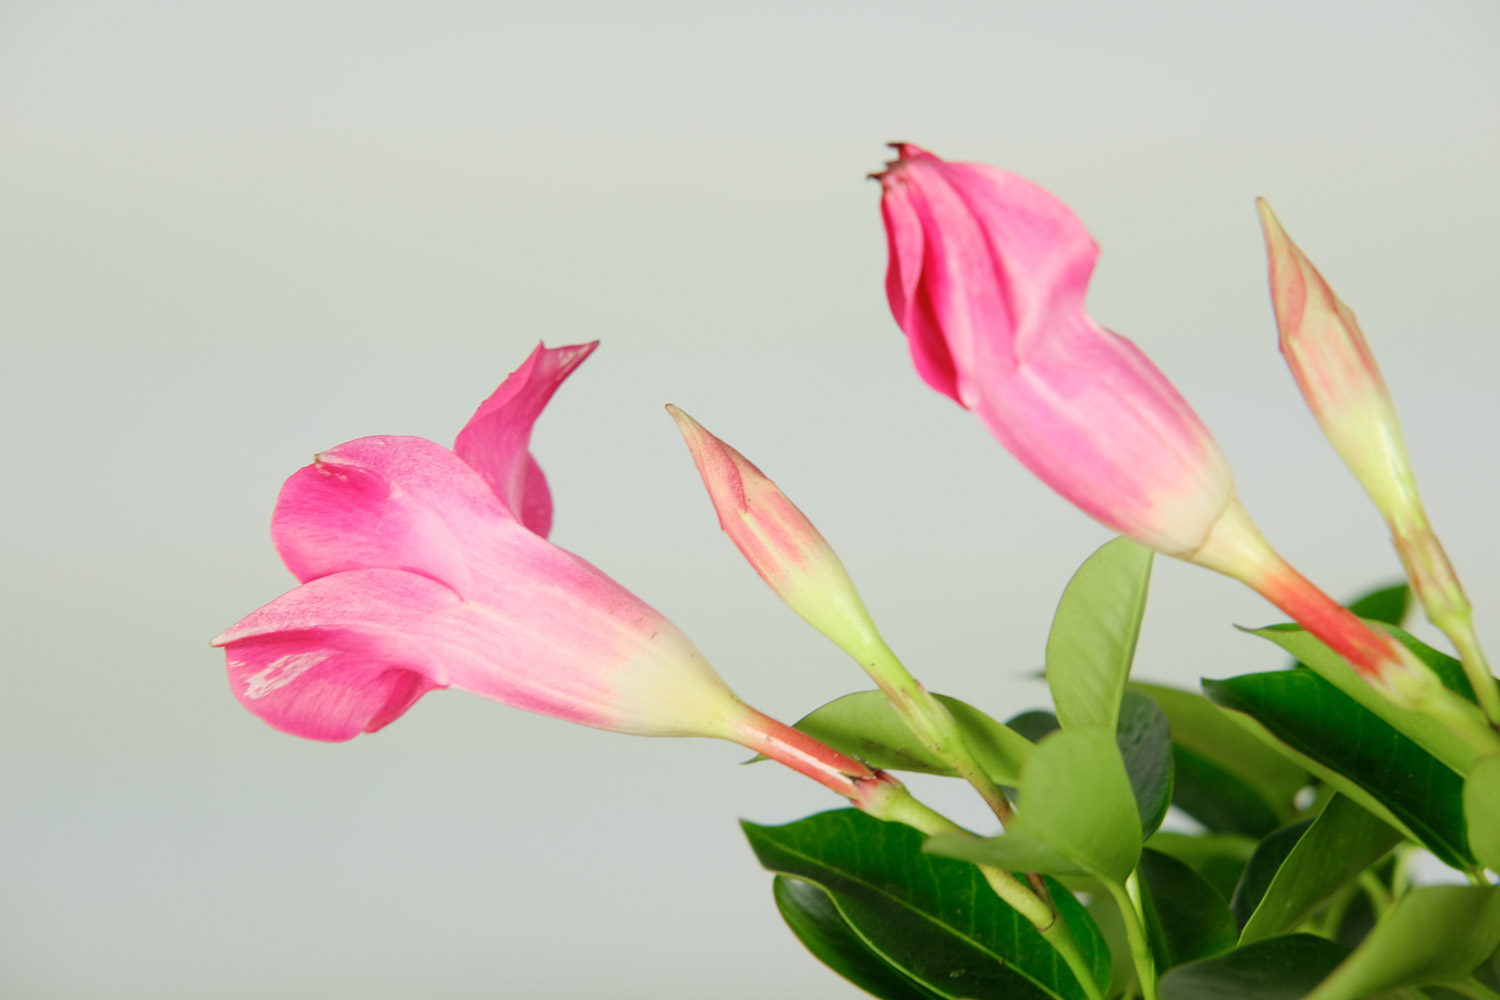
799,565
1342,384
987,278
424,568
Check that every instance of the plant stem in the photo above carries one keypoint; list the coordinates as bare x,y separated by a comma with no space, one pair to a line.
1460,630
1127,898
1473,988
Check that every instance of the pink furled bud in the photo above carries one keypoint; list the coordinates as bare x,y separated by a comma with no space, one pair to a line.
987,278
1338,376
1328,356
781,544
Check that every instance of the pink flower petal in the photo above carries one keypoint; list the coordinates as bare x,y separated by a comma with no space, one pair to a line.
342,655
496,439
386,503
349,653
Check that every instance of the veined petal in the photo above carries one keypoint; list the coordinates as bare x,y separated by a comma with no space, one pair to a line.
349,653
497,437
387,503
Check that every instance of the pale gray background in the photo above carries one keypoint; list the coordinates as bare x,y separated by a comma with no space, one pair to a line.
234,233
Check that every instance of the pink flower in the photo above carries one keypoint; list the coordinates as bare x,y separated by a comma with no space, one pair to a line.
987,278
426,568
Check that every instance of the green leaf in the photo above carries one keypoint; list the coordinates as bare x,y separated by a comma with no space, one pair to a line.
1342,842
1217,798
1145,742
1430,734
1094,633
1219,857
864,725
1261,870
1283,968
1225,778
1356,752
1482,810
1035,725
1077,814
935,919
1385,604
812,916
1185,916
1432,935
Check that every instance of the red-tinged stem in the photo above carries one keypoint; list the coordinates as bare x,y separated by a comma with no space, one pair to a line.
805,755
1237,549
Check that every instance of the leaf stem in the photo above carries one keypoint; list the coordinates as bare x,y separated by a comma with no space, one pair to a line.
1128,898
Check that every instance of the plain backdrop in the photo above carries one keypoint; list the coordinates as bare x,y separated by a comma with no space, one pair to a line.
234,233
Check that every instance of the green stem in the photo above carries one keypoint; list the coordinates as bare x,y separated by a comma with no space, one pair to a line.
898,805
1461,718
1460,630
1060,936
1473,988
1380,897
1127,898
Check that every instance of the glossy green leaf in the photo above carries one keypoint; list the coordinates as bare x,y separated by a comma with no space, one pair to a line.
1077,814
1225,778
1262,867
1035,725
1094,632
1145,742
1385,604
1282,968
1482,810
935,919
1185,916
1430,734
1357,752
1343,841
816,921
1433,935
1219,858
864,725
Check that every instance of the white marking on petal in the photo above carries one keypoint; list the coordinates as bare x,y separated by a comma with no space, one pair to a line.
282,671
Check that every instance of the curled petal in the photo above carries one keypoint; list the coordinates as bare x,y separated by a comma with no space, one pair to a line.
342,655
496,439
387,503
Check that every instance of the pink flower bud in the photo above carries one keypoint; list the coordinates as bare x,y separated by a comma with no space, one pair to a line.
987,278
1338,376
781,544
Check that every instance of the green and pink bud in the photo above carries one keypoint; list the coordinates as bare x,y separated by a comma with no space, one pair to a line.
781,544
1332,363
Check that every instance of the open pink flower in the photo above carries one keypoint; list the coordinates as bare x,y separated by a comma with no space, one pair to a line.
427,568
987,278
